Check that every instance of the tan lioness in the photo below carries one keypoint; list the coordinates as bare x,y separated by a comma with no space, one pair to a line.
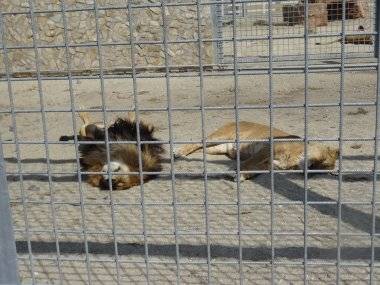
256,155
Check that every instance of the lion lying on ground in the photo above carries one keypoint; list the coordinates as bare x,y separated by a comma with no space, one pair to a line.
256,155
124,157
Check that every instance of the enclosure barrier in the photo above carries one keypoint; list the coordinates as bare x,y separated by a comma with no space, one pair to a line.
113,42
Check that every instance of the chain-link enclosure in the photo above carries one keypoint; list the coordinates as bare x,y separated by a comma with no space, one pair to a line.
307,72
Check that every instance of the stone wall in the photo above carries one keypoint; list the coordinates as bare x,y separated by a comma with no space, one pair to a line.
113,31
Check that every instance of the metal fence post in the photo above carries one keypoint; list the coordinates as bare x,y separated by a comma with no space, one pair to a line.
217,32
8,257
377,27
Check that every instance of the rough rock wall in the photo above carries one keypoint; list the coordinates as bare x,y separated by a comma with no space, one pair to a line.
113,32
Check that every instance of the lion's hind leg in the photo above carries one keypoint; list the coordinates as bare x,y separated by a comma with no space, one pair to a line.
214,148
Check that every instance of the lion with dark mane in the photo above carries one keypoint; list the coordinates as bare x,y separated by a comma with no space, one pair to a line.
123,157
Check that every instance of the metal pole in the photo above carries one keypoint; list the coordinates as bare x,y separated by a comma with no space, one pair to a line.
377,27
21,187
375,162
8,256
217,32
340,136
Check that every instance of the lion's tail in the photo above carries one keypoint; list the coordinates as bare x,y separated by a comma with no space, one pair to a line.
85,117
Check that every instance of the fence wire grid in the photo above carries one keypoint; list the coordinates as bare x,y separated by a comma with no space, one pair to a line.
288,31
188,68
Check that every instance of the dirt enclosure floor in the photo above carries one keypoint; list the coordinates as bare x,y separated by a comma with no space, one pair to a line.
103,224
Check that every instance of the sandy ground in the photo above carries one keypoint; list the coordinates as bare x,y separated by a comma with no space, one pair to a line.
96,220
285,38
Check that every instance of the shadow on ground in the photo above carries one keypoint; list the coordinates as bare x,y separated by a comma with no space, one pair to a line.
199,251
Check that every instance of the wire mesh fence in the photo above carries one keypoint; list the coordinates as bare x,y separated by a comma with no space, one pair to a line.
288,18
70,69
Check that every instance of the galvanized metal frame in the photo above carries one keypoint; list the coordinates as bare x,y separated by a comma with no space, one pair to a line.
44,128
217,32
8,256
76,144
306,136
376,145
237,71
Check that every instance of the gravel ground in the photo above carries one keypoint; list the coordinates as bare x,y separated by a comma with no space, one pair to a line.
125,217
